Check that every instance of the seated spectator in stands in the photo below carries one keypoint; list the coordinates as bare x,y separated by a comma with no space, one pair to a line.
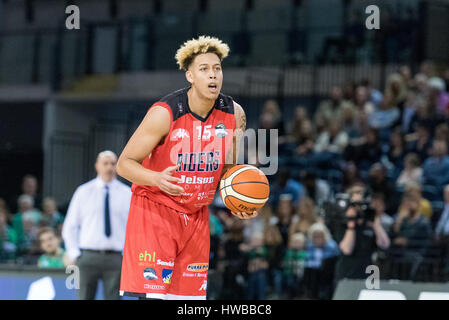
51,216
406,74
8,239
366,151
396,91
50,244
283,218
286,185
305,218
275,252
257,268
316,189
4,207
411,234
362,102
294,127
379,183
305,138
425,207
438,95
333,140
271,117
30,188
412,172
409,111
320,245
442,132
29,240
351,175
374,95
25,222
397,148
378,204
293,264
386,116
420,142
322,253
442,233
436,167
332,108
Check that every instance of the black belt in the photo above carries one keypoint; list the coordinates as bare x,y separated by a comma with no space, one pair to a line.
102,251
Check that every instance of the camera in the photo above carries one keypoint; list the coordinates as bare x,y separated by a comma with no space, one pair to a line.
335,211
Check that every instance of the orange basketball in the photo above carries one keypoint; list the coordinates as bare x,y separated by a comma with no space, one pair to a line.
244,188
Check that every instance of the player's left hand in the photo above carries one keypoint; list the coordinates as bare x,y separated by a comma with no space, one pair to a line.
244,215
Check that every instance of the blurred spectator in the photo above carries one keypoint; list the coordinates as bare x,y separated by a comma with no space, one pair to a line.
8,239
366,151
30,187
438,95
316,189
409,111
51,246
420,142
320,246
257,268
286,185
436,167
374,95
442,132
305,138
5,208
271,117
378,204
350,174
379,183
362,102
294,127
283,218
306,217
275,253
396,152
331,109
322,252
332,140
293,264
411,236
387,115
51,216
442,234
25,223
396,91
406,74
425,207
235,262
412,172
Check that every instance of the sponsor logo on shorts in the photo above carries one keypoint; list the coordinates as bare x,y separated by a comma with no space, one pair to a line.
198,267
147,259
165,263
203,286
166,275
150,274
194,274
153,286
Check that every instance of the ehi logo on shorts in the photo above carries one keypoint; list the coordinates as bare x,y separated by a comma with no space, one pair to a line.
147,259
198,267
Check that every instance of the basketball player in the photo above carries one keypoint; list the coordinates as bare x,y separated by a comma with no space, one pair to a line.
175,160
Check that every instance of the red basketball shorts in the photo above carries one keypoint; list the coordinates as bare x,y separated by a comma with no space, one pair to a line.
166,254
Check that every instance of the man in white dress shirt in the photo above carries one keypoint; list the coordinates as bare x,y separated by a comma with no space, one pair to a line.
94,229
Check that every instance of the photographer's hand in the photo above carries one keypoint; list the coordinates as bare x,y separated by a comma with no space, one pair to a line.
347,244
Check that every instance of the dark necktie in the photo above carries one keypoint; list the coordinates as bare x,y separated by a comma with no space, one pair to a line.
107,218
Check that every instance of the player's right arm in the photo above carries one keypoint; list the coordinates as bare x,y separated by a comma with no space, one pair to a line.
153,129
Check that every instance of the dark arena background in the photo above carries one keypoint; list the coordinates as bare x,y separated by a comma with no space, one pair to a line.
359,98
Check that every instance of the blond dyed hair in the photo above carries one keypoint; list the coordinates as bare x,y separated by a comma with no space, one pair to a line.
204,44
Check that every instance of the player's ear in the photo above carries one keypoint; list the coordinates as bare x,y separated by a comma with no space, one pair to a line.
189,76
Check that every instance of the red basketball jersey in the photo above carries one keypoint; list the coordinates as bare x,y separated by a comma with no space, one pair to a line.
199,145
